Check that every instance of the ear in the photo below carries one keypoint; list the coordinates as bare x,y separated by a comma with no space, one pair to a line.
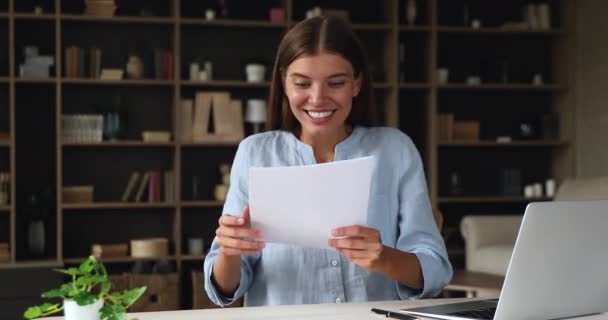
358,83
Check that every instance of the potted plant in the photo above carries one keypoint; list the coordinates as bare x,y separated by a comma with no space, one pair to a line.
87,296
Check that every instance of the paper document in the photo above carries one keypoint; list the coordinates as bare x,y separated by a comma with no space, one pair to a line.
302,204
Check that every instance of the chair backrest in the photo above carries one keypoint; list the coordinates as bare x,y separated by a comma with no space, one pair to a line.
583,189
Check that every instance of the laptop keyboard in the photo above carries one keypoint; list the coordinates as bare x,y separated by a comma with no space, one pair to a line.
485,313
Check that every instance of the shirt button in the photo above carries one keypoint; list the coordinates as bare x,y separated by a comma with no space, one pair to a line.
338,300
334,263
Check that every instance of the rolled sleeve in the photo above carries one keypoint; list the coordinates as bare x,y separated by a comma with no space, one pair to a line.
236,201
418,231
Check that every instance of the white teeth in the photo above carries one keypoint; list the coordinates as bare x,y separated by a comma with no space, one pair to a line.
319,115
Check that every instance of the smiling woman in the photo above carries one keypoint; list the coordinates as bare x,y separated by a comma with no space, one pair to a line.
321,110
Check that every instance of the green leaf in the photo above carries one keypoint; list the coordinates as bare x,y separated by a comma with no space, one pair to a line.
32,312
89,265
84,299
129,297
89,280
105,312
70,271
55,293
105,287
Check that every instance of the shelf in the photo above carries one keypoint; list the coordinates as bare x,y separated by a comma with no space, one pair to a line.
500,86
226,83
202,204
515,143
5,208
33,16
116,259
210,144
3,15
125,82
370,27
31,264
488,199
120,144
50,80
420,85
406,28
118,19
497,30
233,23
192,258
118,205
5,143
4,80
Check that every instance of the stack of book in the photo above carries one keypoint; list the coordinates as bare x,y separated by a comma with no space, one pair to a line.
75,63
5,252
158,186
100,8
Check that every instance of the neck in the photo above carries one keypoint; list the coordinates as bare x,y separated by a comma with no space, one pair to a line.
324,146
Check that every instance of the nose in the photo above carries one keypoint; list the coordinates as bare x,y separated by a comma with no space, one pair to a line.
317,95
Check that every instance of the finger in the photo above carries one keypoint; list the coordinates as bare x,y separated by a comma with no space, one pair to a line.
355,244
239,243
246,216
238,232
356,231
230,220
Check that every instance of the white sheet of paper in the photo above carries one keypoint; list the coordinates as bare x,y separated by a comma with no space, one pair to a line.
302,204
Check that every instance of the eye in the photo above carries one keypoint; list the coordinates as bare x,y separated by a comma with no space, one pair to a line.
336,84
301,84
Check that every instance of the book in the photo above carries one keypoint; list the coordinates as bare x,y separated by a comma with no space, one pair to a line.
185,118
156,136
142,187
228,120
130,186
154,186
202,113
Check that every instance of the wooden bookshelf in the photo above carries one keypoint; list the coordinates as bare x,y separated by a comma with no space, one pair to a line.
225,83
120,144
118,19
202,204
498,31
232,23
118,205
411,104
32,264
498,87
33,16
110,260
125,82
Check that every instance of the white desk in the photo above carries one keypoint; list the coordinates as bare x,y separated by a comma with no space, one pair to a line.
343,311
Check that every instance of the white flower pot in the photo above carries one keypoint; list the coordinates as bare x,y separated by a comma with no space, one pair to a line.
72,311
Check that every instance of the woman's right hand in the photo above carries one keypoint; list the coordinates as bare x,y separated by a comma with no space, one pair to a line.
235,236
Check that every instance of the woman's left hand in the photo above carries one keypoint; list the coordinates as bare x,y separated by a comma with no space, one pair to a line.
361,245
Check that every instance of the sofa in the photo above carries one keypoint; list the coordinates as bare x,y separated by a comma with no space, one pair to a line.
489,239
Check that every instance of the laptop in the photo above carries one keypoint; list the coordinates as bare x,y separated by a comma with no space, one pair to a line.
559,268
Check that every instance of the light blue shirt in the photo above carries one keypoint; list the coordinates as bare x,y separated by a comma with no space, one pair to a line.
399,208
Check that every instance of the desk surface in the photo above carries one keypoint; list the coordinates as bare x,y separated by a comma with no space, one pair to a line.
343,311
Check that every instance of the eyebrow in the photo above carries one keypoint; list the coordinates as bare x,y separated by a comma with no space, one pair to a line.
295,74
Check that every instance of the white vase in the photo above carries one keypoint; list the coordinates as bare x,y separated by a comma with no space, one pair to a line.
135,67
73,311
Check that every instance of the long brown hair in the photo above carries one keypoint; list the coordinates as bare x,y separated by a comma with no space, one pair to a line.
313,36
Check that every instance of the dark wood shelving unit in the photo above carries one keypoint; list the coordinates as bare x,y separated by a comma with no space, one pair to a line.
410,103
